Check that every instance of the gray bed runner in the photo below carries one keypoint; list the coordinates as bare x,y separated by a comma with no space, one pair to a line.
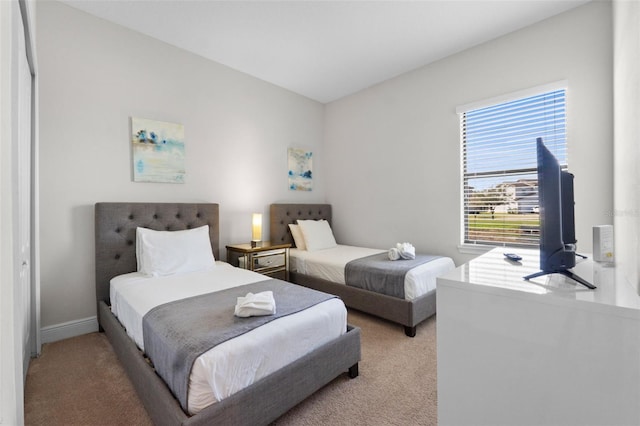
380,274
178,332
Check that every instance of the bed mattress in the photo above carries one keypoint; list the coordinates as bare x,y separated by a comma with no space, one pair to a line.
329,264
239,362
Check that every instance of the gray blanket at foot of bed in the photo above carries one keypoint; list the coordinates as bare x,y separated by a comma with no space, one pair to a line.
176,333
380,274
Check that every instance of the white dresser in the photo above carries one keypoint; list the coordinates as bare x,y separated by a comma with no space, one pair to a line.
543,352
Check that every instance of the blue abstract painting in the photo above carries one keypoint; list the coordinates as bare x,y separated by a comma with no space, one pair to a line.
300,169
157,151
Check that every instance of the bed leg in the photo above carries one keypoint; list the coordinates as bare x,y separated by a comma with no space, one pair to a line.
410,331
353,371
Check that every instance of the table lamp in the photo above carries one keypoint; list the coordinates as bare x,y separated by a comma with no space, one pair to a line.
256,229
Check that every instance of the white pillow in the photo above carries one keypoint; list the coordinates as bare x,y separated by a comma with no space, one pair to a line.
298,238
317,234
173,252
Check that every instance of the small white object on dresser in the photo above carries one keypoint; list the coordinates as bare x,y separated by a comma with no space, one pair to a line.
603,243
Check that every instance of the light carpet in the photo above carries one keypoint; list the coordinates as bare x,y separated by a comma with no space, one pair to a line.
79,381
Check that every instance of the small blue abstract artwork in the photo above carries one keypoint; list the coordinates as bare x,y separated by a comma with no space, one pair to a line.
300,170
157,151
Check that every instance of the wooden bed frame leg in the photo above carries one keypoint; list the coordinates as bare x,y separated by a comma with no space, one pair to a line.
353,371
410,331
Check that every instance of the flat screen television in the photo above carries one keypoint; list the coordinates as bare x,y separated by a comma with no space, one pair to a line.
557,221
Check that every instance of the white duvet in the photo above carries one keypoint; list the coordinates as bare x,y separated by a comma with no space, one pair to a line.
239,362
329,264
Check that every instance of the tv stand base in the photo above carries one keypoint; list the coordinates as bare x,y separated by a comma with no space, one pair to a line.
566,273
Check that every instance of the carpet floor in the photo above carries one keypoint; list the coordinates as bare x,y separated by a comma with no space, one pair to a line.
79,381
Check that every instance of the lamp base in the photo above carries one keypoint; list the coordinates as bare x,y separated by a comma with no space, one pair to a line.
256,243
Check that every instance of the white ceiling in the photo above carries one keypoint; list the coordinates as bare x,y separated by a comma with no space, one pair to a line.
324,49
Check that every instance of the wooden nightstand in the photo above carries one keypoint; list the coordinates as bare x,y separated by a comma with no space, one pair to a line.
268,259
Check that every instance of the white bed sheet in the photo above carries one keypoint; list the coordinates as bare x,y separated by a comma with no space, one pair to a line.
239,362
329,264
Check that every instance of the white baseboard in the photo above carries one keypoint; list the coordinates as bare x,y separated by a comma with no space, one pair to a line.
69,329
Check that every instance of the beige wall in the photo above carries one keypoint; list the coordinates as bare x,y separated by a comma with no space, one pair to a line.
387,158
96,75
394,149
627,137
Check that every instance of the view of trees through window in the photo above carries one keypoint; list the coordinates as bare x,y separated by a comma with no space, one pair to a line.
500,188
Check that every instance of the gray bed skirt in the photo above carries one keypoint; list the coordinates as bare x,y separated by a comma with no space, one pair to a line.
408,313
259,404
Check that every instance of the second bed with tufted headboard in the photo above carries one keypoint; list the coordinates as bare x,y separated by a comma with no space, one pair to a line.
281,215
408,313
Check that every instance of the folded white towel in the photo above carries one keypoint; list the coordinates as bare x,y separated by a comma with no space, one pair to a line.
255,304
393,254
406,250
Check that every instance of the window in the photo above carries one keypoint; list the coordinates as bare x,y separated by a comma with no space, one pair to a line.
499,164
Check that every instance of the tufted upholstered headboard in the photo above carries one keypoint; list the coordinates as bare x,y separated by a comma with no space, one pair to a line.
115,232
281,215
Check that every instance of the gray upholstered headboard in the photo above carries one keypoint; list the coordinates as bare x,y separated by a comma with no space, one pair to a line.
115,227
281,215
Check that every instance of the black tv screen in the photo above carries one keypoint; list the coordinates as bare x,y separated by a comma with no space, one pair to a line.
555,195
557,220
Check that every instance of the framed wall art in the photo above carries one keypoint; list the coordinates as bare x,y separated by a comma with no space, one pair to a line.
300,169
157,151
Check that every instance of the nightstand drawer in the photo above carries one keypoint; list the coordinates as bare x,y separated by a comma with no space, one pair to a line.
274,259
267,259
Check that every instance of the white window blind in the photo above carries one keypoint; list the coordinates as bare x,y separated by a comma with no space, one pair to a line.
499,166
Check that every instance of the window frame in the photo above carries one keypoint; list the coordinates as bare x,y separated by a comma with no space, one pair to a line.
474,248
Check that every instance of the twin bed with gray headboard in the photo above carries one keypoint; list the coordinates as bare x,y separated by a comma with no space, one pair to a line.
408,313
260,403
